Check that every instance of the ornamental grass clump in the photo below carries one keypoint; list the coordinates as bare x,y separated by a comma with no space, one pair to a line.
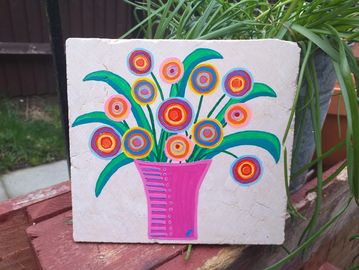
319,25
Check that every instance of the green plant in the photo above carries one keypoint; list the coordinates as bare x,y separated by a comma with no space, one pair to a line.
328,25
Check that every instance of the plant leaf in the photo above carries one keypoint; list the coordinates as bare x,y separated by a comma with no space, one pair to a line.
190,62
259,90
265,140
115,164
122,87
99,117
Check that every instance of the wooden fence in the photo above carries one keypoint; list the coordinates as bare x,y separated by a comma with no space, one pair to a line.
26,66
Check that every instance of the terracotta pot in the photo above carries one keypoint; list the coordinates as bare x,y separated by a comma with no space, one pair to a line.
330,132
172,197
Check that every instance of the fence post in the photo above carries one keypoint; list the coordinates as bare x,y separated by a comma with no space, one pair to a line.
58,55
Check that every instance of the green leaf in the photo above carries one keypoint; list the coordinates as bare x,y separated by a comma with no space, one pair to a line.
191,61
259,90
99,117
122,87
265,140
321,43
109,170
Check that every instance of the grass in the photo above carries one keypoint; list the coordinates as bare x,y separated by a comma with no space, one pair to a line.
30,133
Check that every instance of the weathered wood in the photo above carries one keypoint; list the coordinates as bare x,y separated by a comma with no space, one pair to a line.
49,208
15,250
54,246
20,202
24,48
259,257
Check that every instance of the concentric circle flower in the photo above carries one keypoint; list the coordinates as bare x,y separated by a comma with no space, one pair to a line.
178,147
204,79
137,143
237,115
237,82
105,142
246,170
207,133
140,62
171,70
175,114
117,107
144,91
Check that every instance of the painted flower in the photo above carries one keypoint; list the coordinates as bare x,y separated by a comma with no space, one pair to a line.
175,114
178,147
117,107
237,82
171,70
204,79
237,115
137,143
105,142
246,170
144,91
207,133
140,62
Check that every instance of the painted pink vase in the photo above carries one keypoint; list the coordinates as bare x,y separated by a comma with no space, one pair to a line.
172,197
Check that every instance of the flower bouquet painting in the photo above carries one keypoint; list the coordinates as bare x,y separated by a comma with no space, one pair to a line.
172,116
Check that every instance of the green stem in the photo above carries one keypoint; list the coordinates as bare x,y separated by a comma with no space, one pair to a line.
153,129
315,110
158,86
224,151
216,105
310,240
198,110
126,124
188,252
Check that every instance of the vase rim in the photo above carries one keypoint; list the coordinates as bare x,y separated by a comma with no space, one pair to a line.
142,162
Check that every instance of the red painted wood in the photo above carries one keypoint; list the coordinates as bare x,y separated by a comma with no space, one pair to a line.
302,193
328,266
199,255
17,203
15,250
55,249
49,208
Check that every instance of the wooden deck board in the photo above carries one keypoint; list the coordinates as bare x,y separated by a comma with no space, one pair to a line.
54,246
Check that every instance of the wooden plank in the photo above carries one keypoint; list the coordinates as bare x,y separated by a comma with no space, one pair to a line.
15,250
76,18
27,76
40,74
110,19
99,19
49,208
88,19
11,70
124,17
6,32
34,21
17,203
19,20
53,239
26,48
260,257
64,7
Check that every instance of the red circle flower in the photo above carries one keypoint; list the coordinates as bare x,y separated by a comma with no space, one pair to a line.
175,114
140,62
